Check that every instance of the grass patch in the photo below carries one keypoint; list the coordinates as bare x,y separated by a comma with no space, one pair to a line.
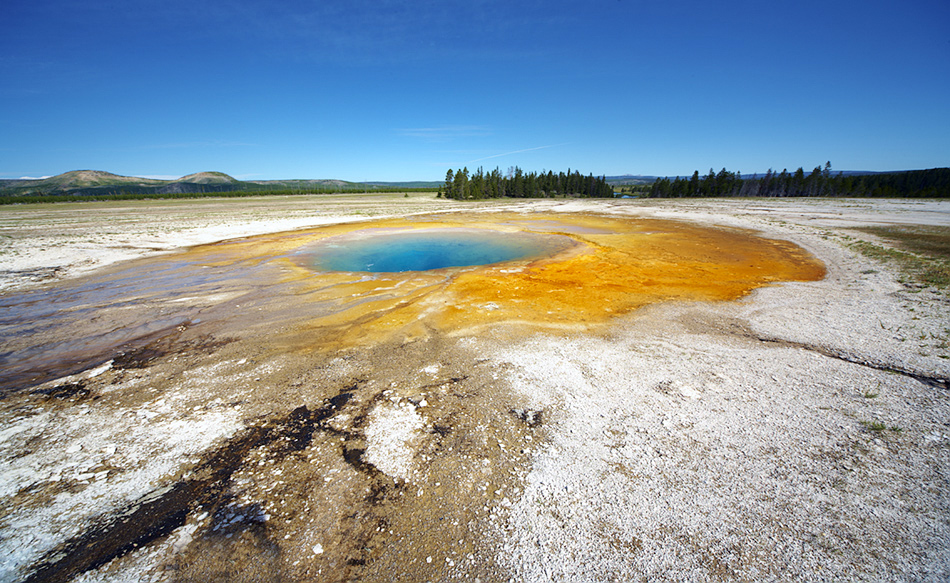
880,427
924,240
875,426
923,252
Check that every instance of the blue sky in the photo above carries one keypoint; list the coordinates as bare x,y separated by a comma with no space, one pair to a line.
403,90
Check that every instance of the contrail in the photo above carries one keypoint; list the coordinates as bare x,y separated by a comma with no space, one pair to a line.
515,152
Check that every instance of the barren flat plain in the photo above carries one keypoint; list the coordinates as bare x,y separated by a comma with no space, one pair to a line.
688,390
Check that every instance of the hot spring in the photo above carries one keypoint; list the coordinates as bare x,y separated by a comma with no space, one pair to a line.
398,279
398,251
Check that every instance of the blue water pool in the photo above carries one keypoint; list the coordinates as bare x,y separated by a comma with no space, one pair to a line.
427,249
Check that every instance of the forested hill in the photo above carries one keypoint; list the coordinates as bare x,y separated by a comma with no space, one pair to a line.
933,183
96,184
516,183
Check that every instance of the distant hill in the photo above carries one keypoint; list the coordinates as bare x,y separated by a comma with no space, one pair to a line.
90,183
416,184
78,182
630,179
78,179
209,178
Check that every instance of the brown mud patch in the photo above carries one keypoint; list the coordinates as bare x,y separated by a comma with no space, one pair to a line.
299,493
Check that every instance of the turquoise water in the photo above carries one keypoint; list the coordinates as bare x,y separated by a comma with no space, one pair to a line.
427,249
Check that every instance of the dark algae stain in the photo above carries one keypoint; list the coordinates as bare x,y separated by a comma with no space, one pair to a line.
66,391
159,513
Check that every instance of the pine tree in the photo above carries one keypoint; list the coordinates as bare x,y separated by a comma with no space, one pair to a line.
694,184
450,184
461,184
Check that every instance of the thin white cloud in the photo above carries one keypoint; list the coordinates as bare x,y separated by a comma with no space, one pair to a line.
516,152
443,133
208,144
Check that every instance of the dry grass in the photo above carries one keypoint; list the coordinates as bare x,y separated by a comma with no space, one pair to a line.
923,252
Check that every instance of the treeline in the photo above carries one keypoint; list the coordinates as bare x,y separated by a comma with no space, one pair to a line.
934,183
516,183
121,195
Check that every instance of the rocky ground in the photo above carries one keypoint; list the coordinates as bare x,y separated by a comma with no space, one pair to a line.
799,433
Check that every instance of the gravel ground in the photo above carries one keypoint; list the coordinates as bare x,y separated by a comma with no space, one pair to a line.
800,433
767,439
